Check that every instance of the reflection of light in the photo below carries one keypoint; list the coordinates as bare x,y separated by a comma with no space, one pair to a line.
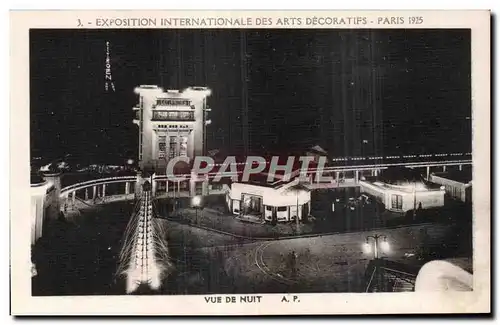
367,248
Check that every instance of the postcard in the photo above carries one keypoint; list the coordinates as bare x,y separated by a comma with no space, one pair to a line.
250,162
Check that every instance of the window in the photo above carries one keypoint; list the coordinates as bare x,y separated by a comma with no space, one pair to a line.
162,147
199,188
185,115
183,147
397,202
281,209
172,150
268,208
173,116
217,186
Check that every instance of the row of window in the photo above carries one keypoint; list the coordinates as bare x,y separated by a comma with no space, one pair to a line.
279,209
453,191
164,126
177,147
173,116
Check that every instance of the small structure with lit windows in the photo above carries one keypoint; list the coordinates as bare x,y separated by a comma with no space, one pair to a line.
262,201
457,184
402,195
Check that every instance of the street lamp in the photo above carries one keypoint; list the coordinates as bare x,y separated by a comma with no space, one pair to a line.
376,244
196,203
414,199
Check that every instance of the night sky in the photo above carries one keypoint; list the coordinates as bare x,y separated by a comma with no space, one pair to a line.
402,91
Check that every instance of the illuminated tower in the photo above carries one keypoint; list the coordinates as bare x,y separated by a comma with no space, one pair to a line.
171,124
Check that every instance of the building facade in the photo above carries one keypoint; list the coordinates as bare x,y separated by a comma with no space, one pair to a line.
457,185
279,202
404,197
44,202
171,123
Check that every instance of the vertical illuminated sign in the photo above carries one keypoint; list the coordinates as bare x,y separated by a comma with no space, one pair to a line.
108,79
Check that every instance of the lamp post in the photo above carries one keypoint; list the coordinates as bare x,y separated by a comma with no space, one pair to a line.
297,209
130,162
414,200
196,203
375,244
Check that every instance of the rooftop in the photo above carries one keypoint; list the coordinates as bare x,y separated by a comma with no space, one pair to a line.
464,176
404,185
261,180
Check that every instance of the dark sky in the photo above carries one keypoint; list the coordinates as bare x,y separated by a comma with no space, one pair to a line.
403,91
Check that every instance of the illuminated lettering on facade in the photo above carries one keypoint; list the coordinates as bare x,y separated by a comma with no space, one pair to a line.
108,79
173,102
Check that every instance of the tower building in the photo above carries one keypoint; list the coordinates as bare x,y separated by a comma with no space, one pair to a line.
171,123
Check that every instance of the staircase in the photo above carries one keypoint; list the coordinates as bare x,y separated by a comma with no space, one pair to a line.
389,276
138,259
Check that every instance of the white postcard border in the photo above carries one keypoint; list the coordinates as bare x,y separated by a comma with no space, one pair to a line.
336,303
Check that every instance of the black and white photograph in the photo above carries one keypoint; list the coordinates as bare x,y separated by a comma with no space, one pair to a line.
233,163
390,110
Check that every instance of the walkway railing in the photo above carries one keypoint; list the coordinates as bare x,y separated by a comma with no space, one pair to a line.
95,182
95,190
80,191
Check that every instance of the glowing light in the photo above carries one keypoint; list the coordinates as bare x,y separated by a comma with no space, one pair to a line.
130,161
385,247
107,71
367,248
196,201
198,91
33,270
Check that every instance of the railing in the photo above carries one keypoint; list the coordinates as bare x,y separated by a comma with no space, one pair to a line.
437,155
130,180
334,169
401,164
96,182
380,274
